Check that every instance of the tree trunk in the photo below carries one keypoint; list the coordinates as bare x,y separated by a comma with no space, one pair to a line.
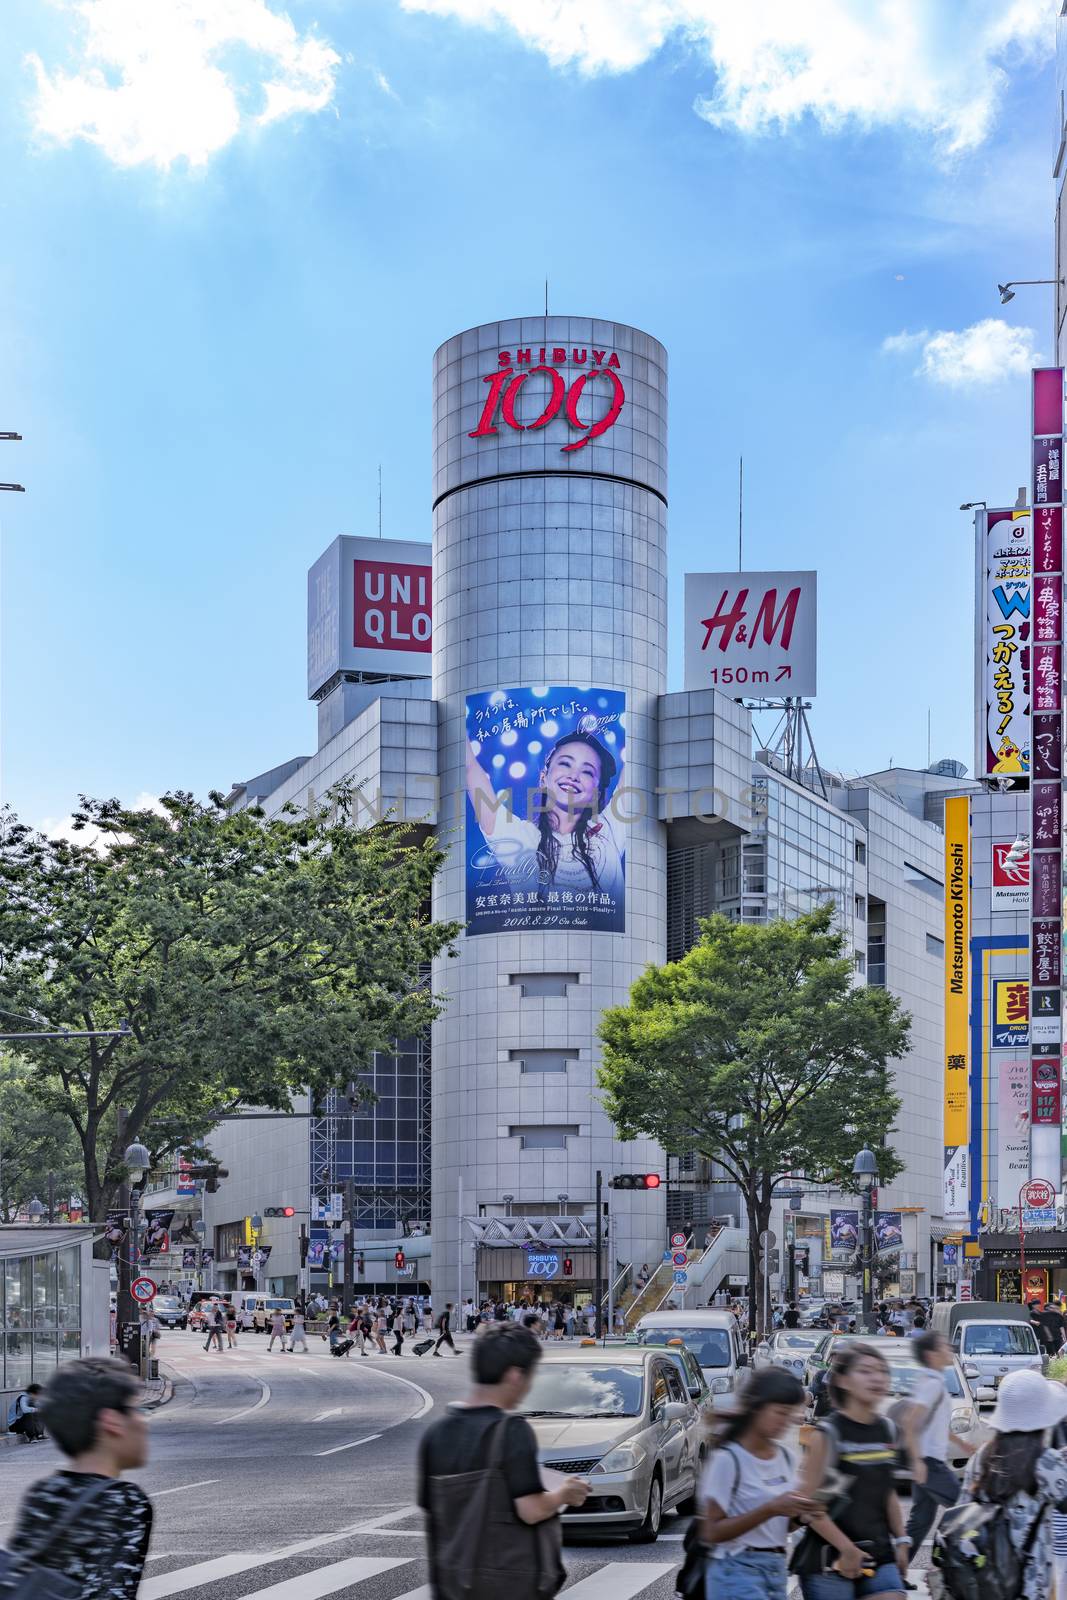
758,1203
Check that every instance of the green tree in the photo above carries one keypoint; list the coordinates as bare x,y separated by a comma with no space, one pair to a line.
34,1141
249,957
758,1050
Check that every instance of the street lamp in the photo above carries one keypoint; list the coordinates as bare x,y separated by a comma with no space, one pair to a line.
1007,290
973,505
507,1199
137,1162
562,1198
35,1211
865,1175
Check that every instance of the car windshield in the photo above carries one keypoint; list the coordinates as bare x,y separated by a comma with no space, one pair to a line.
279,1305
903,1376
711,1346
1000,1339
797,1341
581,1390
165,1302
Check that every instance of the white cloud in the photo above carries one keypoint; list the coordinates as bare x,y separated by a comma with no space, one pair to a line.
985,352
63,827
161,81
928,65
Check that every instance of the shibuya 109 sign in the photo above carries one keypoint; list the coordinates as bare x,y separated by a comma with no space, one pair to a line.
595,371
750,632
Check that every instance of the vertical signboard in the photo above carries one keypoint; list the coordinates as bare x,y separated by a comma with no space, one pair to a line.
957,988
1046,846
1005,556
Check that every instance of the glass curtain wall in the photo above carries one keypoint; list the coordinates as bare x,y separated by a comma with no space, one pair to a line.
40,1314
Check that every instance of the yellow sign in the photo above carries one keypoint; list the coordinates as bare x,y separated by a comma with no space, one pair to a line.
957,966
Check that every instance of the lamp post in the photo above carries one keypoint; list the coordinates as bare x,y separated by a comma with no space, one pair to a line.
35,1211
200,1229
137,1161
865,1173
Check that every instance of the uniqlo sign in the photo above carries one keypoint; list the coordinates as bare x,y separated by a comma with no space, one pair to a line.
369,610
391,606
1011,879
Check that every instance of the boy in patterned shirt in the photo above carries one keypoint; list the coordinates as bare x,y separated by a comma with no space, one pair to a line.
92,1409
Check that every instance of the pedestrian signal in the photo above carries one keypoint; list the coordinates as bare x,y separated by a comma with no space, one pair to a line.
568,1267
635,1180
279,1211
399,1260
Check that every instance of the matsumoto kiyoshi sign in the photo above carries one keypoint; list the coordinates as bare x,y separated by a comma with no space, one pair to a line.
576,380
750,632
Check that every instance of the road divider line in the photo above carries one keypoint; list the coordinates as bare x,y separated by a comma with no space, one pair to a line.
428,1401
239,1561
327,1580
247,1412
324,1414
618,1580
337,1448
425,1593
201,1483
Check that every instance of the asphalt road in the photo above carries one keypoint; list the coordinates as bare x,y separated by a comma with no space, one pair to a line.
291,1477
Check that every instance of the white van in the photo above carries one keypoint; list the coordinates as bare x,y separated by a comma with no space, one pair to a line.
996,1347
262,1306
714,1338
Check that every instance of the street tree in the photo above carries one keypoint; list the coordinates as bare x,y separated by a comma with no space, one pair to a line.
249,957
758,1050
34,1141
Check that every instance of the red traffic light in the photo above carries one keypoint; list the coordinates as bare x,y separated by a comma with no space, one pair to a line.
635,1180
652,1180
568,1267
279,1211
399,1258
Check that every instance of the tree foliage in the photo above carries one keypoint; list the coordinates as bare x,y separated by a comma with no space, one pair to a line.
758,1050
250,958
34,1141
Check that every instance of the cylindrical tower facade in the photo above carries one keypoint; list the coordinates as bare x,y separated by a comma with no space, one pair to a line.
550,645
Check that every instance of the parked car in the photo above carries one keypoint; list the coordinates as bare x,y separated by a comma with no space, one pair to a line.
714,1339
622,1417
171,1311
802,1351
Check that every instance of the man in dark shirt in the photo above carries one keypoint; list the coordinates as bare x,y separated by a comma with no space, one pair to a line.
92,1411
504,1359
1050,1327
792,1316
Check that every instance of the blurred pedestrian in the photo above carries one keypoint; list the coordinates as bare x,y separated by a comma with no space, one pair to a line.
277,1331
84,1521
444,1331
928,1434
299,1333
216,1325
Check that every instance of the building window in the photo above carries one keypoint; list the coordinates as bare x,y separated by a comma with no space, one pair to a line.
876,943
861,853
541,985
861,962
860,907
543,1060
935,946
918,879
544,1138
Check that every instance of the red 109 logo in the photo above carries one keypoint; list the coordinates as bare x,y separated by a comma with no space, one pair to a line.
505,387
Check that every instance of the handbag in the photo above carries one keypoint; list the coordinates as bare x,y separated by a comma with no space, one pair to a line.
692,1575
21,1574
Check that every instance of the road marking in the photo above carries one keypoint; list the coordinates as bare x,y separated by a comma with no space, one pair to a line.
247,1412
339,1447
425,1593
327,1580
247,1560
200,1483
427,1398
324,1414
618,1580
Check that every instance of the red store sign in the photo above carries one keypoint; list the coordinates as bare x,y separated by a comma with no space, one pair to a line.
392,606
506,385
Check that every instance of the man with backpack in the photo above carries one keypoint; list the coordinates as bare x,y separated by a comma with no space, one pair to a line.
491,1524
925,1424
84,1522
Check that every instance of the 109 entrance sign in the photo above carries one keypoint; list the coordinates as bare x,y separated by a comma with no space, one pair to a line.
751,633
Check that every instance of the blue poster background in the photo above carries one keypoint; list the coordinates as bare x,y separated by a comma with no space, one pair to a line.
561,753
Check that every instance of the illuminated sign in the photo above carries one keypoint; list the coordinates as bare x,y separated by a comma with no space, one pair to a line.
596,386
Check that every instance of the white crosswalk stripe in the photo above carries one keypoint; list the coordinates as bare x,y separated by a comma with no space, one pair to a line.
326,1580
619,1580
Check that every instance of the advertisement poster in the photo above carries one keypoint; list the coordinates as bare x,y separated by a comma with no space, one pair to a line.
888,1230
1013,1127
244,1257
207,1257
1006,641
751,628
155,1240
188,1259
116,1227
1011,878
844,1230
1010,1022
316,1250
546,846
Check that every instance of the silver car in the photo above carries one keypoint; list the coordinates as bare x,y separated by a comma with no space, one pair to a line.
801,1351
622,1418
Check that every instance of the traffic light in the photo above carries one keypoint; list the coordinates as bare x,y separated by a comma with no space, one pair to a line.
279,1211
399,1260
635,1180
304,1242
210,1176
568,1267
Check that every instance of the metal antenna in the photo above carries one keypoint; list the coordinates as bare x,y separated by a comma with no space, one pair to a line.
546,297
379,499
740,508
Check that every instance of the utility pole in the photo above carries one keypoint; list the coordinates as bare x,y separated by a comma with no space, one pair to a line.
51,1197
599,1290
127,1316
349,1191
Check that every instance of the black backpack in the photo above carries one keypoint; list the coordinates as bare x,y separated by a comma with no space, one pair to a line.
974,1553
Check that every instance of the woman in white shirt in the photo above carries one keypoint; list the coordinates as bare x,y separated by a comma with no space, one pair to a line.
572,844
749,1493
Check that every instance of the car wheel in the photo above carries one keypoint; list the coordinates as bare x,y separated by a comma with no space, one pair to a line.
648,1532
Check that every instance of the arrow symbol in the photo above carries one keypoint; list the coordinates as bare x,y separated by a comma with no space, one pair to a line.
783,672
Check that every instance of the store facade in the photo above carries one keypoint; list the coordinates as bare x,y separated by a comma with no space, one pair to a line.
54,1302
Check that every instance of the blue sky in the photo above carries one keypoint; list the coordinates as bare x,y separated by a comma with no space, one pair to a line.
216,323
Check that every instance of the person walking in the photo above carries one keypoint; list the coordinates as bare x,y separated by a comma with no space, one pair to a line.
1051,1328
84,1521
230,1314
791,1318
444,1331
927,1434
1017,1470
277,1331
398,1331
299,1333
857,1545
508,1542
381,1328
750,1492
215,1329
23,1419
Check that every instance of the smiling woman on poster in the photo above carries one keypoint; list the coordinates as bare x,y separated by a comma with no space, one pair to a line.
563,863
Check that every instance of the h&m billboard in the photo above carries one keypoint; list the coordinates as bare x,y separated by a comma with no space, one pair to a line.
369,610
751,633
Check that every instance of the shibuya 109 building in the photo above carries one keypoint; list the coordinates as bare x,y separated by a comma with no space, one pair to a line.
506,687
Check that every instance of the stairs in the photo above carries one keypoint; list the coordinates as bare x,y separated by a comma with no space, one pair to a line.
659,1288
